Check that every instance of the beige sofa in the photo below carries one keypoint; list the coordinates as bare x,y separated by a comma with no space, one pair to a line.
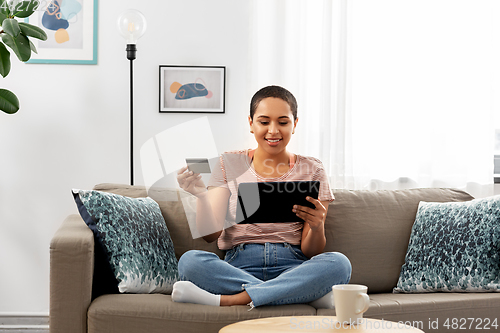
372,228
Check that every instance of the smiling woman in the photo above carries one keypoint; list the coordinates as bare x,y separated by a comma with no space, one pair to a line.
272,119
300,271
273,125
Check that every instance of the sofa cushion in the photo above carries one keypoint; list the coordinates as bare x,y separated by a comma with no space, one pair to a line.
135,239
372,228
454,247
436,312
159,314
173,211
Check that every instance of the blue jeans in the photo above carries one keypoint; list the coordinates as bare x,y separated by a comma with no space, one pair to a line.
272,274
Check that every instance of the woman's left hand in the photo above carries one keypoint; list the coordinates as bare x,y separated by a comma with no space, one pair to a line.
315,217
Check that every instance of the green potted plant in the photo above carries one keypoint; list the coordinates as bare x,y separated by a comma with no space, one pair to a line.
15,35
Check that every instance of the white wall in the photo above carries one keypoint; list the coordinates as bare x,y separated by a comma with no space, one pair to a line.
72,130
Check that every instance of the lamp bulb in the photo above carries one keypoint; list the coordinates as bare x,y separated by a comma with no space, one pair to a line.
132,25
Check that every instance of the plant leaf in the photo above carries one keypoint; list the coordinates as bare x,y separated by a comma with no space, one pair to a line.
2,17
33,47
20,46
32,31
8,101
4,8
4,60
11,26
26,9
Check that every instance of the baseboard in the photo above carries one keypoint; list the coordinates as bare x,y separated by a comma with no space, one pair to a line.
24,322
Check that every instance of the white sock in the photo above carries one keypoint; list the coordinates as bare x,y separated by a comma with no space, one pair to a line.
188,292
325,302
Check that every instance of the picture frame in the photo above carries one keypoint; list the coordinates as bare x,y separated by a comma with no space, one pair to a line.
71,32
192,89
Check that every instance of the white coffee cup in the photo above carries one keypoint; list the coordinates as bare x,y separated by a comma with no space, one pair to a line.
351,301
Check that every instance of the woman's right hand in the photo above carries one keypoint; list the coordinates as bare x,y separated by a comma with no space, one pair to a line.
190,182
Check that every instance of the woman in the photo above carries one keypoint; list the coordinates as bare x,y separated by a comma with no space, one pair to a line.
265,263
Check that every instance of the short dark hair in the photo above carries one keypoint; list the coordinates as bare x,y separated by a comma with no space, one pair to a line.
276,92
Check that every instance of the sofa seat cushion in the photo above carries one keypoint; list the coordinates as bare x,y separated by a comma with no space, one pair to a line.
426,308
156,312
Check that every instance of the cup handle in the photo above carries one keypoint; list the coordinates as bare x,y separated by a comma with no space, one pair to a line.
366,302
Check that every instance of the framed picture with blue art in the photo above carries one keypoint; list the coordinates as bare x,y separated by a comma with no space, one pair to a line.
71,28
192,89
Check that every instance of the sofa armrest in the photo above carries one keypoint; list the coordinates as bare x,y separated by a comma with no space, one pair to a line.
71,271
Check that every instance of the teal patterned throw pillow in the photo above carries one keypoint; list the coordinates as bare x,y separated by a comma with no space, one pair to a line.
454,247
135,238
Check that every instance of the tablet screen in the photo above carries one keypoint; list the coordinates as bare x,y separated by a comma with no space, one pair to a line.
272,202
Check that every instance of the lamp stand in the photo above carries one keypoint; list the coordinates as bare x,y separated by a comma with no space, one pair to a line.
131,53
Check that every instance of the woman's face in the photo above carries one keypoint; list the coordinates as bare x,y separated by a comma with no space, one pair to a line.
273,125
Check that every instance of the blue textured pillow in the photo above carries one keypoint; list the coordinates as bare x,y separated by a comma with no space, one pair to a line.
454,247
135,238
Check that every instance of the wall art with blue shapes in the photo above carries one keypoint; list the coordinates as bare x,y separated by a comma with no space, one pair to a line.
71,28
192,89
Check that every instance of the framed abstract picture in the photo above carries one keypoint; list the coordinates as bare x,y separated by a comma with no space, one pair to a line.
192,89
71,28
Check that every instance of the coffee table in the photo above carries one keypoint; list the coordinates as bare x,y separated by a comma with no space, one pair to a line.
315,324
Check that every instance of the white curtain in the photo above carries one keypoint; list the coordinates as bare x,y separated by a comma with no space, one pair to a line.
391,93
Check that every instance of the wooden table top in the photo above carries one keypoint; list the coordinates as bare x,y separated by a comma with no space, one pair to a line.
315,324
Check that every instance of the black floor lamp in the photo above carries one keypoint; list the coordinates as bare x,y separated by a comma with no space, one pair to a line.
131,25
